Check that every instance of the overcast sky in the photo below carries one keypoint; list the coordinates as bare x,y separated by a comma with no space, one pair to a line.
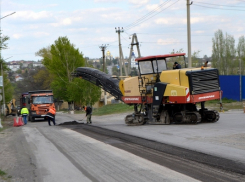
159,25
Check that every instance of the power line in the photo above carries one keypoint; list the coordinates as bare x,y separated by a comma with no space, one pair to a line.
125,38
170,33
174,42
218,8
149,13
151,16
212,4
147,18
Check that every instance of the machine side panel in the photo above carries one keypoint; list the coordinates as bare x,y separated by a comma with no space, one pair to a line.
175,90
184,80
136,99
170,76
205,97
131,86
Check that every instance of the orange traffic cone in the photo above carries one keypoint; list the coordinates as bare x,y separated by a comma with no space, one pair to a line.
21,121
17,122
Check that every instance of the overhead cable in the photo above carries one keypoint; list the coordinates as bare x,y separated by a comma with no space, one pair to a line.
218,8
149,13
130,27
212,4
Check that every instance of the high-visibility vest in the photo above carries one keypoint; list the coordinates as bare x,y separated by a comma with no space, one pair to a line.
52,111
24,111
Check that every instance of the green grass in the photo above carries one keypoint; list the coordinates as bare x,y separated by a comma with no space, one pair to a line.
112,109
2,173
228,104
224,100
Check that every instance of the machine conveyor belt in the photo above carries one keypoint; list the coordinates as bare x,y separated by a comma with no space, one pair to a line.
100,79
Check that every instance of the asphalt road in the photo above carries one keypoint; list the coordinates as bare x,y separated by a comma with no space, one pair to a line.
38,152
225,138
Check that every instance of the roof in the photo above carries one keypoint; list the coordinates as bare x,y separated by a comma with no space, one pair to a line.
159,57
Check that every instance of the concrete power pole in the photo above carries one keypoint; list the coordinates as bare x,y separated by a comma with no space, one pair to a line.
134,37
189,33
103,48
121,58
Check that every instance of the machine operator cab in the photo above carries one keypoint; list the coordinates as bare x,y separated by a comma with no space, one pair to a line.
157,64
151,67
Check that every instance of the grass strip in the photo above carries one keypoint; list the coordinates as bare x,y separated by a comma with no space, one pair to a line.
2,173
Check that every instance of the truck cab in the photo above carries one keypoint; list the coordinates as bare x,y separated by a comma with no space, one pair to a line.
39,102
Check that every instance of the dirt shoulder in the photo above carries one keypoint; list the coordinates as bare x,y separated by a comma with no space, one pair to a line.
16,161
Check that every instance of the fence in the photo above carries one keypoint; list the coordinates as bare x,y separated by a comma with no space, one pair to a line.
230,85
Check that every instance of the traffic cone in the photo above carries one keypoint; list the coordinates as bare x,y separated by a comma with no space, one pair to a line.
17,122
1,126
21,121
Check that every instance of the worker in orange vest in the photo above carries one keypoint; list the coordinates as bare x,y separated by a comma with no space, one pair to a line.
51,115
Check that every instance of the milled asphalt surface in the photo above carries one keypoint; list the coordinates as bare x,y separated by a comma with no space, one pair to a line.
42,153
225,138
38,152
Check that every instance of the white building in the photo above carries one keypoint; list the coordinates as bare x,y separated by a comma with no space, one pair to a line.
134,64
14,67
36,64
18,78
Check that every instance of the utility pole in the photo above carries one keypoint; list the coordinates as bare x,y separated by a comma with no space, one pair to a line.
103,48
240,64
121,58
189,33
134,37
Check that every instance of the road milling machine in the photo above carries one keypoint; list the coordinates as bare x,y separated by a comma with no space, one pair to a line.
161,95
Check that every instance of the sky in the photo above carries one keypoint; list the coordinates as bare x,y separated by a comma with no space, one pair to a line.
161,26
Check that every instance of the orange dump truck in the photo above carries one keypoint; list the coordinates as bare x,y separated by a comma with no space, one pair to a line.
38,103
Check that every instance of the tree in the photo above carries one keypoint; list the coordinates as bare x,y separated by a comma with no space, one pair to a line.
241,53
218,50
3,41
172,60
224,53
43,78
8,88
195,60
115,71
64,56
32,80
115,61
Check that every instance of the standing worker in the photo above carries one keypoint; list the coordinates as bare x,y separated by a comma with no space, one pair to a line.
88,110
24,112
51,115
176,66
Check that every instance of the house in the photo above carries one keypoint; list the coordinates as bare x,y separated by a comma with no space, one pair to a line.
37,64
18,78
13,66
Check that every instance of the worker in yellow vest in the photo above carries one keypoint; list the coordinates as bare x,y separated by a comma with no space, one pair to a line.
24,112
